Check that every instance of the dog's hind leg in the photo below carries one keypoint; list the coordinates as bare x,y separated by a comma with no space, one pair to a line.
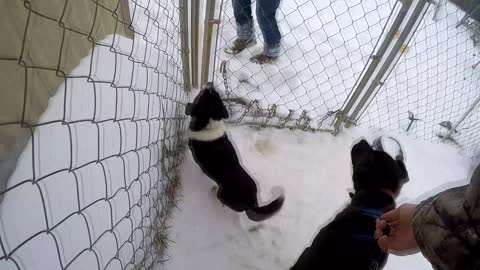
229,199
215,190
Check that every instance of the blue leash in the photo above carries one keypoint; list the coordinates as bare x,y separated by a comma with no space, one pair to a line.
369,212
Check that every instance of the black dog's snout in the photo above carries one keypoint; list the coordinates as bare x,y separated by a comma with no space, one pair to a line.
188,109
209,85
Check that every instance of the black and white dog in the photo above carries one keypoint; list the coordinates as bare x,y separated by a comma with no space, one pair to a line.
347,242
216,156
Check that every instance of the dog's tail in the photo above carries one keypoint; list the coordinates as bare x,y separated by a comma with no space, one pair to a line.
262,213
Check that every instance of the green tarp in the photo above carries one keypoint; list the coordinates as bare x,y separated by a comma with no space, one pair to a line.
42,41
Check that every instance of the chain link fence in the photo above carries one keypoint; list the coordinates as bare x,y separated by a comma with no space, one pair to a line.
329,48
325,47
91,132
467,133
435,80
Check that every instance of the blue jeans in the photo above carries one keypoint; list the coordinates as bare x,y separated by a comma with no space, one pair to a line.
266,11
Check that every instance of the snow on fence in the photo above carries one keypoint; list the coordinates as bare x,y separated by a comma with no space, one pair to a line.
91,117
404,66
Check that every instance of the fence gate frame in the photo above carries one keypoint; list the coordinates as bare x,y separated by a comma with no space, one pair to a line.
411,14
449,135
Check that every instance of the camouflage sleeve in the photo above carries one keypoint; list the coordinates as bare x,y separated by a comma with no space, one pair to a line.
447,227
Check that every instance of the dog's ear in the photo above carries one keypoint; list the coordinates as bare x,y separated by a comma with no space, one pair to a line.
360,151
403,171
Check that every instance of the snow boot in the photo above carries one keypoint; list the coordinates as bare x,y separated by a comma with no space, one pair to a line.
239,45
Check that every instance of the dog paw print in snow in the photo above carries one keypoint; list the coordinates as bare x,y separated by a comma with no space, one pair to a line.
264,147
255,228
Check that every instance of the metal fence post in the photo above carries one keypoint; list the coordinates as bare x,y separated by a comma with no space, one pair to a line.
375,75
377,82
462,118
376,59
183,7
194,26
207,39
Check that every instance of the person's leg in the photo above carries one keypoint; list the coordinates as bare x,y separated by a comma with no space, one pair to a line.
266,15
242,9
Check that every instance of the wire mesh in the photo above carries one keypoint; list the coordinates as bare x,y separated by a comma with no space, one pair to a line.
467,134
435,80
97,169
324,49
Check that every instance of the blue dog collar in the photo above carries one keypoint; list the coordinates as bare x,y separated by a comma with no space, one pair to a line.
369,212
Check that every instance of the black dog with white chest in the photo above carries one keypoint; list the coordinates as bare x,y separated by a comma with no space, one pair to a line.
347,242
216,156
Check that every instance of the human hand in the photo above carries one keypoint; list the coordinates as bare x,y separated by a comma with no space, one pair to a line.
400,240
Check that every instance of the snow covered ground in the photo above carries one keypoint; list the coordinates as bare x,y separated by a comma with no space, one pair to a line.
315,170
